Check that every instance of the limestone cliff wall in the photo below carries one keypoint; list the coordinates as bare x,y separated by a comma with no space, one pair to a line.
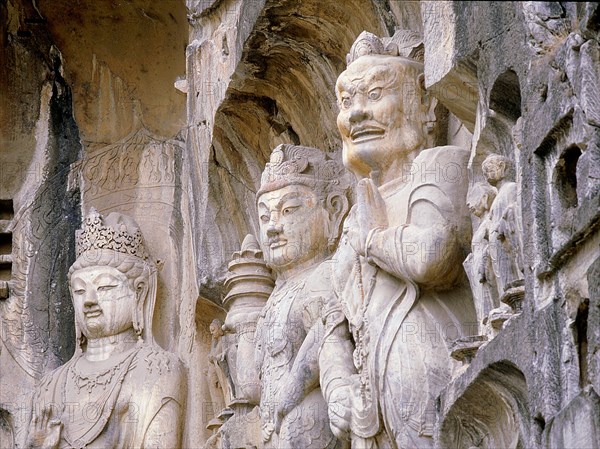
168,111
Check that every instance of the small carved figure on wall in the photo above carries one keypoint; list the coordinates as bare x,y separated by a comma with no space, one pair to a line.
219,378
478,264
120,389
302,202
506,246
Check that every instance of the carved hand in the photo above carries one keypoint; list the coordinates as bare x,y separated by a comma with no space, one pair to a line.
370,213
340,411
44,432
290,397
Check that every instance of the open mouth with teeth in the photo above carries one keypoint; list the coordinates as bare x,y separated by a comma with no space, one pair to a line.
366,133
277,244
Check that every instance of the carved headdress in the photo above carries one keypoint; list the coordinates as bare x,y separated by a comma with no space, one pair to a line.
405,43
294,164
117,241
117,232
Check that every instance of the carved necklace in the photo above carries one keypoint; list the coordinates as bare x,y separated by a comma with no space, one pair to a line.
362,329
105,379
92,380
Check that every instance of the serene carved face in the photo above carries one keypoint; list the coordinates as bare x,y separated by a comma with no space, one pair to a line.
478,204
215,328
381,112
494,171
104,301
294,227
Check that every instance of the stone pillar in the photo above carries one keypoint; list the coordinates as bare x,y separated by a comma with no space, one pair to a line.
249,284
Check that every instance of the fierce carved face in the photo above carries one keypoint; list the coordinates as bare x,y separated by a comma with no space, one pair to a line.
382,111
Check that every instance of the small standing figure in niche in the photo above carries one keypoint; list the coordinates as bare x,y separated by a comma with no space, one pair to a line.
478,264
219,379
505,234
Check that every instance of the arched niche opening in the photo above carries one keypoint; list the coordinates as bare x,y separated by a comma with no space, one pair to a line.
282,91
505,96
565,177
491,413
499,133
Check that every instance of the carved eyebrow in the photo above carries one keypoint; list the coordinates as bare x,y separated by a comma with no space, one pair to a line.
381,74
345,85
288,196
77,280
106,278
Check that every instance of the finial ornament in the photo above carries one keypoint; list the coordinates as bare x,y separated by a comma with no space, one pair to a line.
116,232
405,43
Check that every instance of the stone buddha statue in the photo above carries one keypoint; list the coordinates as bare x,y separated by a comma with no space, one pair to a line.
302,201
401,291
120,389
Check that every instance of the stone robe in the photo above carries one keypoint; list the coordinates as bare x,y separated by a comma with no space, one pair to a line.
289,333
139,404
402,305
505,238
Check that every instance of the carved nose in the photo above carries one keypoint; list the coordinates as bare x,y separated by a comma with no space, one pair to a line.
91,299
274,226
274,229
358,113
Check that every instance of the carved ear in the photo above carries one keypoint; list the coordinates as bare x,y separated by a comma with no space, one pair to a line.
429,102
141,291
337,207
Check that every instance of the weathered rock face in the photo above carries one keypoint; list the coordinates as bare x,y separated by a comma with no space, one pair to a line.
39,209
168,111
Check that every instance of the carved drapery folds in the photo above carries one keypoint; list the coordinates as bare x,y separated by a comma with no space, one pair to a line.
397,273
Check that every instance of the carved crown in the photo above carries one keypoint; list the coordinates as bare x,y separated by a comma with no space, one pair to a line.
294,164
117,233
405,43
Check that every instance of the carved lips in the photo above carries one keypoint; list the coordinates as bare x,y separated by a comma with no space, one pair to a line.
93,313
364,133
273,244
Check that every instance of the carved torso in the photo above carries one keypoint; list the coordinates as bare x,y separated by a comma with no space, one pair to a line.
116,406
407,302
284,349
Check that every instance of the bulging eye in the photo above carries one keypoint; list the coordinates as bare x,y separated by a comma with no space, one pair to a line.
288,210
375,94
264,218
346,102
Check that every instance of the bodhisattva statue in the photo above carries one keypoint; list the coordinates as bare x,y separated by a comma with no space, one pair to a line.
302,201
505,224
478,263
398,275
120,389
